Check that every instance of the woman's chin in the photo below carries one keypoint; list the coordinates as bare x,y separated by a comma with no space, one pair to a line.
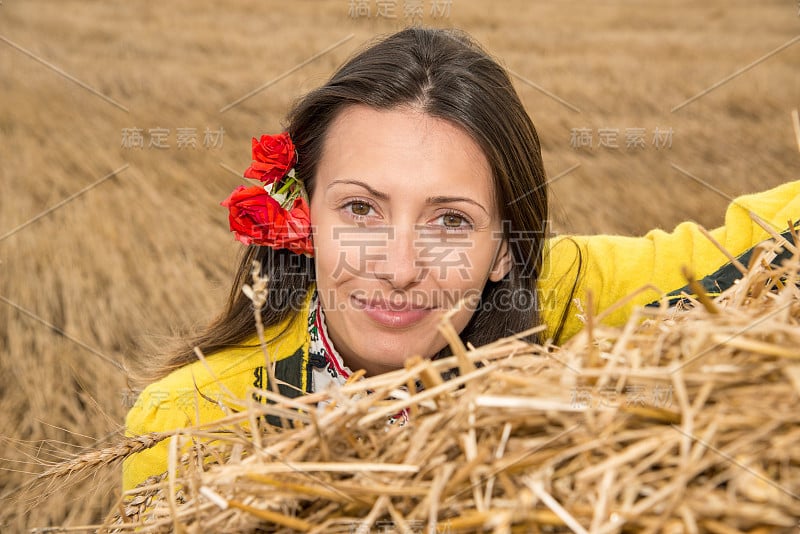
384,353
381,340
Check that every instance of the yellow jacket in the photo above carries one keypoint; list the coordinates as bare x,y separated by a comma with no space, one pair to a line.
612,267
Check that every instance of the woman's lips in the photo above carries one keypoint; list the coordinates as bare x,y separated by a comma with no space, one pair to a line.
392,315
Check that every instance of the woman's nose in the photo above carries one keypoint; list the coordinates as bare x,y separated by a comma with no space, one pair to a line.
401,266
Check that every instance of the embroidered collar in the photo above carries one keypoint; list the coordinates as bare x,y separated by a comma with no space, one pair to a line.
327,364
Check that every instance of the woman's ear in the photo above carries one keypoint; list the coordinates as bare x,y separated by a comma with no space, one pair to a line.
502,263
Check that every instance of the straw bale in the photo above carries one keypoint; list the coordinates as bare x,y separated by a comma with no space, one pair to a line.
684,420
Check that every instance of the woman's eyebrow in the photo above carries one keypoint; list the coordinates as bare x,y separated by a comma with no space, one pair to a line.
445,200
374,192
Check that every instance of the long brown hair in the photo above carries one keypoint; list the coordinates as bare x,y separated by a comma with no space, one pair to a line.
445,74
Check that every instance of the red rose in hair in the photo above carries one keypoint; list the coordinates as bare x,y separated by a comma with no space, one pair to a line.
295,234
258,219
273,156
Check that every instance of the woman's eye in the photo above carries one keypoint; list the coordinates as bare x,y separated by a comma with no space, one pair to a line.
454,221
359,208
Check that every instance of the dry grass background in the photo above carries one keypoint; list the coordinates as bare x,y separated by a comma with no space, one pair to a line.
147,250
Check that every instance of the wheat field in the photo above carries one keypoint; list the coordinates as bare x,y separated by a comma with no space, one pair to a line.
107,248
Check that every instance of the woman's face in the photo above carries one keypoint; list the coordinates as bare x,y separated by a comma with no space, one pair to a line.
405,226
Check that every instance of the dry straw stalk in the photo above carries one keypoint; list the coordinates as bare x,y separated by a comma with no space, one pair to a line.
685,421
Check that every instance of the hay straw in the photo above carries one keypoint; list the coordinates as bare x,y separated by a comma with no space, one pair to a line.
682,420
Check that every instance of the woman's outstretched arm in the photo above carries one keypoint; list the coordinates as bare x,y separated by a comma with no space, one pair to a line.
613,267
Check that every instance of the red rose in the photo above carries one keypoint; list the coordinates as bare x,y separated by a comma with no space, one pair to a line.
258,219
297,235
248,212
273,156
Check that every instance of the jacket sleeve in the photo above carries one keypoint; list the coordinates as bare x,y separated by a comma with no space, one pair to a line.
169,404
204,392
612,267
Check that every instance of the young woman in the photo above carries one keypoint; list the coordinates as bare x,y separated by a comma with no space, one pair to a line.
426,195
